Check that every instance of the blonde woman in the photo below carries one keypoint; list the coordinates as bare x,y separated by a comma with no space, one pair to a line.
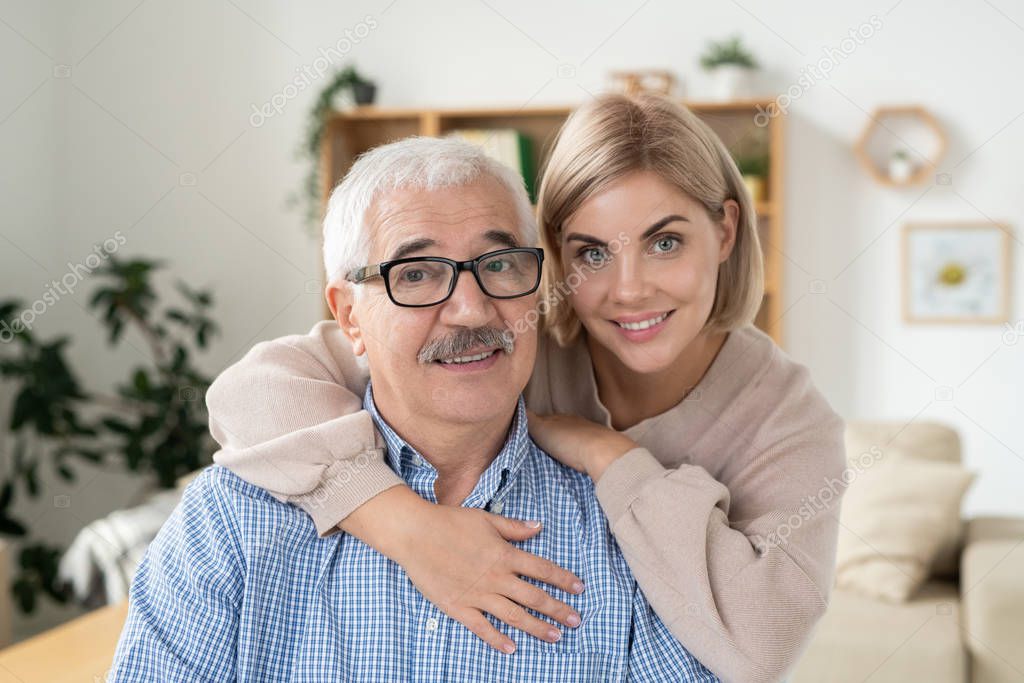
716,461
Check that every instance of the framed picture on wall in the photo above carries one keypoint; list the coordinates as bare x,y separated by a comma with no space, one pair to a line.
956,272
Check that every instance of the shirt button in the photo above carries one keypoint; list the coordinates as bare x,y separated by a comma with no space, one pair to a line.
497,507
432,624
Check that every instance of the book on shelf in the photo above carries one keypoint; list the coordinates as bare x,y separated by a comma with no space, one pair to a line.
506,145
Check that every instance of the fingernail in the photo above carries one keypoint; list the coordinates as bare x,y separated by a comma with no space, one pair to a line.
509,647
554,635
573,620
577,587
534,524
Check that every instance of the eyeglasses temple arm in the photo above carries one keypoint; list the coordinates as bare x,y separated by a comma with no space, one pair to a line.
365,273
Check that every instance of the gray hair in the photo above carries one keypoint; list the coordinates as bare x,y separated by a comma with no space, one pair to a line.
423,163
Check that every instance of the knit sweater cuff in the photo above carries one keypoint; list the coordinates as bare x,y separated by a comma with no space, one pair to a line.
346,485
623,481
356,472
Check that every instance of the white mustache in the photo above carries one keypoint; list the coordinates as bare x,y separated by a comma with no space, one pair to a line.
458,343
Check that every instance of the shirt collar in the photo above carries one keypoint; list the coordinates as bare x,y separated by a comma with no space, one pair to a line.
496,479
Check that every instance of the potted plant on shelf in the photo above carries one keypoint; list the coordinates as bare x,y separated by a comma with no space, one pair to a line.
754,169
347,86
730,65
901,167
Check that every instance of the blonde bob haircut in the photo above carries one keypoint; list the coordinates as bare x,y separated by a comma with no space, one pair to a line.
614,135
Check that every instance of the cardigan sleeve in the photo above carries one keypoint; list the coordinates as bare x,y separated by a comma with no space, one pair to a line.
289,419
743,594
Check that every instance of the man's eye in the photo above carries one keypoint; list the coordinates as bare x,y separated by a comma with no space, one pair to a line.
416,275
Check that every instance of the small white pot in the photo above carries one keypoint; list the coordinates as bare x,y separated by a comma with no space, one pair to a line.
730,82
343,100
900,169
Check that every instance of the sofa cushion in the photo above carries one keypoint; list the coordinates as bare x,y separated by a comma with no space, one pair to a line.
896,515
863,639
926,440
930,441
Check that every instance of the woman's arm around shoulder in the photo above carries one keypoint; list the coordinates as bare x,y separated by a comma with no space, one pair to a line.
288,417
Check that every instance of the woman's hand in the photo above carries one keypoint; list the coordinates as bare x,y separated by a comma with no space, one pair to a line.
579,443
460,559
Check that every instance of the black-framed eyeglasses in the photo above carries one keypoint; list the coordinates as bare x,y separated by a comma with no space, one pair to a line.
420,281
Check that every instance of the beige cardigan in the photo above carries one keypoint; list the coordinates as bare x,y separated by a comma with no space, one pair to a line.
727,513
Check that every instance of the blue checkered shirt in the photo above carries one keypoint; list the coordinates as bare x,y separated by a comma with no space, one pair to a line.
238,586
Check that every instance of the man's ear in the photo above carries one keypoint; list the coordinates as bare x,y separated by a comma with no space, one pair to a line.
341,299
727,229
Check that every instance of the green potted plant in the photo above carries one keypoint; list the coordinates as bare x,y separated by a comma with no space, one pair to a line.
901,166
730,65
754,169
155,425
349,83
347,86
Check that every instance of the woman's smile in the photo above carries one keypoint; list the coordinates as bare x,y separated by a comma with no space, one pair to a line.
642,327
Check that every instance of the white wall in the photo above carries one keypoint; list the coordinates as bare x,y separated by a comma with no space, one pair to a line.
159,89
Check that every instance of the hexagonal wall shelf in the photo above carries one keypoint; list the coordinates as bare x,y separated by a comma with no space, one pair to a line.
901,145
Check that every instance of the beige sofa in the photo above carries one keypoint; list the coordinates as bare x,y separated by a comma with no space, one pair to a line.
965,624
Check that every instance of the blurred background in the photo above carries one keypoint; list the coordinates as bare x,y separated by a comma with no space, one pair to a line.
163,168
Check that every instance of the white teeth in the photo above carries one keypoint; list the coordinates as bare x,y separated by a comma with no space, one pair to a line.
644,324
469,359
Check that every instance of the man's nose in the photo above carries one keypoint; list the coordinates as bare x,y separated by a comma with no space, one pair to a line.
468,305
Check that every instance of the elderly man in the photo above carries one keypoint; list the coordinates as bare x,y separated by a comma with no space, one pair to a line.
436,260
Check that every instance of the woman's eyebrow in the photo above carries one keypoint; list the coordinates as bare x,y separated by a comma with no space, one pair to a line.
590,239
662,223
580,237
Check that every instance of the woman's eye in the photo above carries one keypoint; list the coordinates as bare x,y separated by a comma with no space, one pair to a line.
664,245
594,256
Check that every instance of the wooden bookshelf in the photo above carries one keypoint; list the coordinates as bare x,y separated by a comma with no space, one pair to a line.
348,134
